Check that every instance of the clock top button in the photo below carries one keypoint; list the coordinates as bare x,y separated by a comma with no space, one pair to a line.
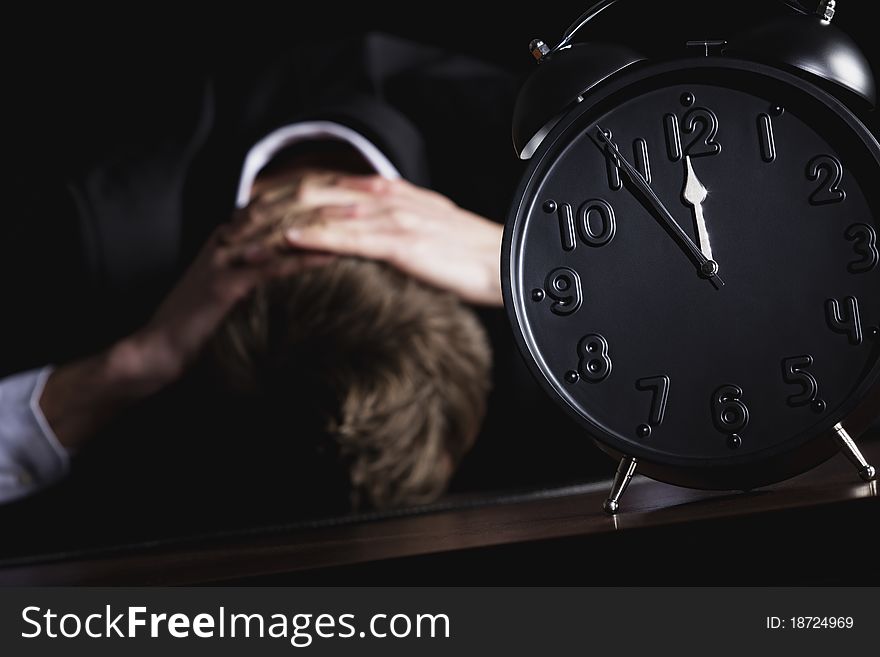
709,47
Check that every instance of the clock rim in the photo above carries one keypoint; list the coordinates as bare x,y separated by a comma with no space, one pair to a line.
854,413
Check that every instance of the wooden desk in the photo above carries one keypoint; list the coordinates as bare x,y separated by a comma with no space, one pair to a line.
815,528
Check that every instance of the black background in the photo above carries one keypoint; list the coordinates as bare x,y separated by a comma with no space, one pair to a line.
93,64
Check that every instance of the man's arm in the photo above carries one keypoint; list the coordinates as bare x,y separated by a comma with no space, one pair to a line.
44,413
79,398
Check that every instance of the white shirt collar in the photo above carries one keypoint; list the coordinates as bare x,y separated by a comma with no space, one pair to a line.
265,149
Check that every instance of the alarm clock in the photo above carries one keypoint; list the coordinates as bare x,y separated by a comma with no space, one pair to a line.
691,265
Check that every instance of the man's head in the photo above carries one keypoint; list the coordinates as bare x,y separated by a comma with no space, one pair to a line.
393,374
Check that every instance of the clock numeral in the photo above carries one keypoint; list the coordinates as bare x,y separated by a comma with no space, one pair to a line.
642,161
795,372
640,157
614,181
846,319
659,386
602,210
593,214
700,122
704,142
729,412
595,364
865,238
673,137
767,141
566,227
563,286
828,172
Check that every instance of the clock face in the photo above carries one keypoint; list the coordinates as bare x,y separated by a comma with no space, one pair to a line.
611,279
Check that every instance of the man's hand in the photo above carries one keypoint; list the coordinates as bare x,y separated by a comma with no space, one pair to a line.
223,273
415,230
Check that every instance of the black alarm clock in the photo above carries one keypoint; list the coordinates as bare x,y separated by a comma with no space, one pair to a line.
691,264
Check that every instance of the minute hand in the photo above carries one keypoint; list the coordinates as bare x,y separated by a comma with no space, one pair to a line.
707,268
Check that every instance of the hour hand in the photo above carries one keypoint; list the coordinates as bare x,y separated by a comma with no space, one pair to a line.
694,194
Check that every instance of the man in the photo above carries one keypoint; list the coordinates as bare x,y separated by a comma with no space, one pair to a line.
140,442
48,412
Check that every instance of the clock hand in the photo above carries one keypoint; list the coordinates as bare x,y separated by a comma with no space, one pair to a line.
694,194
707,268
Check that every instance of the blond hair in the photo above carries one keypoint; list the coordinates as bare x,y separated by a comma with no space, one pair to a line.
398,372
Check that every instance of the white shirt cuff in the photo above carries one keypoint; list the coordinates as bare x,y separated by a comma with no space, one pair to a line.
269,146
31,458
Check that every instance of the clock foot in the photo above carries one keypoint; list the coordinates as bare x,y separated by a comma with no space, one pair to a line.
849,448
625,472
